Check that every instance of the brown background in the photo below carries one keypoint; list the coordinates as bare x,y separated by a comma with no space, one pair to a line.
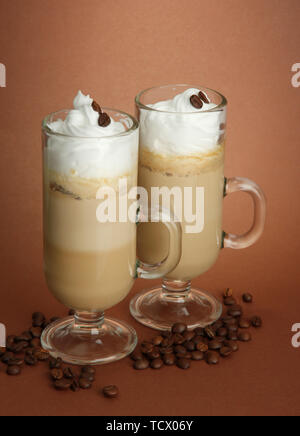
112,49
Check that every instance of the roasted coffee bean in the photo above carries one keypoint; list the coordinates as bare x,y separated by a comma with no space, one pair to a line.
10,342
89,377
75,385
62,385
7,356
180,349
104,120
42,355
165,343
183,356
244,323
141,364
84,383
235,311
19,347
212,358
156,363
56,373
244,336
209,332
137,355
202,347
13,370
154,354
2,351
111,391
228,293
232,336
217,325
166,350
222,332
198,339
54,319
196,101
232,328
188,335
30,360
230,301
55,363
215,345
179,328
190,346
183,363
16,362
35,343
199,331
36,332
233,345
157,340
24,337
203,97
197,355
247,298
88,370
177,339
96,107
169,359
146,347
68,373
256,321
229,320
38,319
226,351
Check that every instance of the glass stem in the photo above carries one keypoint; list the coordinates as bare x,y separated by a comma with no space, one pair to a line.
175,290
88,321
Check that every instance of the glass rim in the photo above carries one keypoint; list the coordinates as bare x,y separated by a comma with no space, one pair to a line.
218,108
48,131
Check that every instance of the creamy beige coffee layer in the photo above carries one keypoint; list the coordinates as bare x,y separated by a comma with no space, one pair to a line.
199,251
89,266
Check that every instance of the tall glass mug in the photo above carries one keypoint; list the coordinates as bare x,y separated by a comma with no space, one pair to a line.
182,150
90,226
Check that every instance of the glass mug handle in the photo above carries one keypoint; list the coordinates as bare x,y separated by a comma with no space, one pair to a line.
160,269
236,184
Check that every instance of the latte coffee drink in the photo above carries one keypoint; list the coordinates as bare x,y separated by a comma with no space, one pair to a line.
89,265
91,216
184,151
181,166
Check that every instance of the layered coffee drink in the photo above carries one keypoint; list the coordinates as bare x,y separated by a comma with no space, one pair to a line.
182,148
89,265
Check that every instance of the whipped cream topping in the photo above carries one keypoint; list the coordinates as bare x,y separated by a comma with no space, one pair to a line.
88,150
176,127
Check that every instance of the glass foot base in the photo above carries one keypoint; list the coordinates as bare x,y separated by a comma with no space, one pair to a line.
80,345
155,309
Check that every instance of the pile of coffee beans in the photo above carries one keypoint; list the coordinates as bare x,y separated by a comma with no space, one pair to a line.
26,350
181,346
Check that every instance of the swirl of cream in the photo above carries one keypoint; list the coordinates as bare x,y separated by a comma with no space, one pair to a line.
88,150
175,127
